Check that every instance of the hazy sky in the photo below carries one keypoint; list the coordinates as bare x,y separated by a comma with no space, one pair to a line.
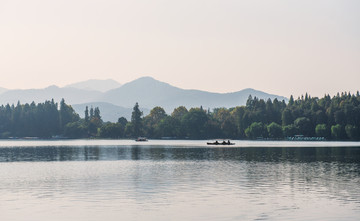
278,46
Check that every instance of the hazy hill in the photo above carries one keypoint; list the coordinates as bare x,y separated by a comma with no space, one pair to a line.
71,95
108,112
96,85
149,93
119,102
2,90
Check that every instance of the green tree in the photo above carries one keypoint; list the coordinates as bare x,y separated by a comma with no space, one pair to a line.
321,130
97,113
291,100
95,123
194,122
304,125
238,114
136,121
226,122
337,132
111,130
75,130
91,113
352,132
274,130
67,114
167,127
129,130
122,121
152,120
340,117
87,118
286,117
290,130
320,117
179,113
255,130
157,114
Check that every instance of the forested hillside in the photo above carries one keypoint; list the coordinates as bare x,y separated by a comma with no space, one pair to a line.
336,118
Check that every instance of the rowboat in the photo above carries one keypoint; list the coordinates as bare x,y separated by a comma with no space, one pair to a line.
220,143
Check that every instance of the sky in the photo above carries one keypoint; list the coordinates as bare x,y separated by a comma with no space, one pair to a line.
284,47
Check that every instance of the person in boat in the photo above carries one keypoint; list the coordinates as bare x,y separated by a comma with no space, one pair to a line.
224,142
228,142
216,142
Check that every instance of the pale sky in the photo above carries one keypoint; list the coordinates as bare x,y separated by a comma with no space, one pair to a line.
278,46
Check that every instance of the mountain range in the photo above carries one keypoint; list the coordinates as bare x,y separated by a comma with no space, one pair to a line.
115,100
96,85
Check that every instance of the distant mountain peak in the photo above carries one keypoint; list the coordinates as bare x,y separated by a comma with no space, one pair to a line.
147,79
52,87
145,82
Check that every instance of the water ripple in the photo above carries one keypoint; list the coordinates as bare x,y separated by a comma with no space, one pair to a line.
179,183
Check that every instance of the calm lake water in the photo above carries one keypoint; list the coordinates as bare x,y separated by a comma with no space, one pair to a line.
179,180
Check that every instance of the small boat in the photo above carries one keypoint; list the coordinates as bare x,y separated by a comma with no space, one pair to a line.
220,143
140,139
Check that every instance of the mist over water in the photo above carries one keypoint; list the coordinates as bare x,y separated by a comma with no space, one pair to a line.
178,181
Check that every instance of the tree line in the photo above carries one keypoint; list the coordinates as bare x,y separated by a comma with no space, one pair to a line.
332,118
35,120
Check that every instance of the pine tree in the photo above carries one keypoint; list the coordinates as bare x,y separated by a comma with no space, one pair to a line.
87,114
136,120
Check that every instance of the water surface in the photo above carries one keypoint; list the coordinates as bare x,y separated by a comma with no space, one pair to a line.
179,180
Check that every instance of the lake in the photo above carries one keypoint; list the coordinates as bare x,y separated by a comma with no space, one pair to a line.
178,180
